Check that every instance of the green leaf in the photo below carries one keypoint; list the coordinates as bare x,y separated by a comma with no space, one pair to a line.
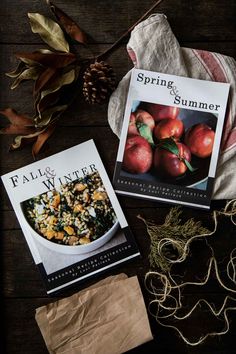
190,167
170,145
145,132
49,31
28,74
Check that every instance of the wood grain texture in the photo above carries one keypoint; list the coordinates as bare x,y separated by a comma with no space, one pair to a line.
199,24
105,21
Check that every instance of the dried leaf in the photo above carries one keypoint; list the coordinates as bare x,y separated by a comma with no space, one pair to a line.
44,51
20,124
14,73
19,140
15,118
47,101
65,79
42,138
45,117
17,129
49,31
47,75
28,74
55,60
70,26
51,94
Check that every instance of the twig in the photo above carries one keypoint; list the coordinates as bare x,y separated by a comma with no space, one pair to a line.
119,40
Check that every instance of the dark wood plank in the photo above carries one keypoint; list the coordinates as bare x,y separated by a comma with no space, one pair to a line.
106,21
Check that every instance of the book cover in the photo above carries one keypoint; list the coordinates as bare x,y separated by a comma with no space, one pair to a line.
170,138
70,216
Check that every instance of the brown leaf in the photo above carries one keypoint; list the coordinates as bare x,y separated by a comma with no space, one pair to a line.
15,118
51,92
47,75
17,129
42,138
20,124
52,87
54,60
47,101
70,26
65,78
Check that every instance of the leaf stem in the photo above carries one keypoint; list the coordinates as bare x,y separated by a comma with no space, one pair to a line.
124,35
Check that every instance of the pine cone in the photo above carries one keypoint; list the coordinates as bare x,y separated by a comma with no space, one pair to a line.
99,82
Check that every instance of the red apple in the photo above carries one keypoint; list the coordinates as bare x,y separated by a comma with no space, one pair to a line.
160,111
168,128
132,129
137,155
145,118
168,164
200,139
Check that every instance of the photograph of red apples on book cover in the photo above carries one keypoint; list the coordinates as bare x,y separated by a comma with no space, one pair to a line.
168,144
170,138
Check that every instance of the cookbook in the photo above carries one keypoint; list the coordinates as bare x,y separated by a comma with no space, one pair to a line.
170,138
70,216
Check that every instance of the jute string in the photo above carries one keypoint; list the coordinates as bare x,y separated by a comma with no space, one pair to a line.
168,293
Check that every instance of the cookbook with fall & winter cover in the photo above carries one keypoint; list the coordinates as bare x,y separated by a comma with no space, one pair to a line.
170,138
70,216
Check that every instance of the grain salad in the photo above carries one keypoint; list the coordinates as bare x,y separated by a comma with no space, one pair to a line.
77,214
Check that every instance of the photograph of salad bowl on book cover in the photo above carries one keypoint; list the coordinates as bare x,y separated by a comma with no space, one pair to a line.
70,216
77,218
170,138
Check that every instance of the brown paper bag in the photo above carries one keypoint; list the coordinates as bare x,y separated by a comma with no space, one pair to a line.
108,318
41,312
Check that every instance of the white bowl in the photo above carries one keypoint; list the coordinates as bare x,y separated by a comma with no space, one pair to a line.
78,249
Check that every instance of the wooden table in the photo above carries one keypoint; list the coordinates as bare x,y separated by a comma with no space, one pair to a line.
199,24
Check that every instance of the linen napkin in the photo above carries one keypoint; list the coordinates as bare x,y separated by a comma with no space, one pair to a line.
153,46
107,318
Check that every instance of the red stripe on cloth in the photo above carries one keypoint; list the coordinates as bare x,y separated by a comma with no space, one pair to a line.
215,68
199,57
132,55
230,142
216,71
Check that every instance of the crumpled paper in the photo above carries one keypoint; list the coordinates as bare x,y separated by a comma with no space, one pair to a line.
107,318
153,46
